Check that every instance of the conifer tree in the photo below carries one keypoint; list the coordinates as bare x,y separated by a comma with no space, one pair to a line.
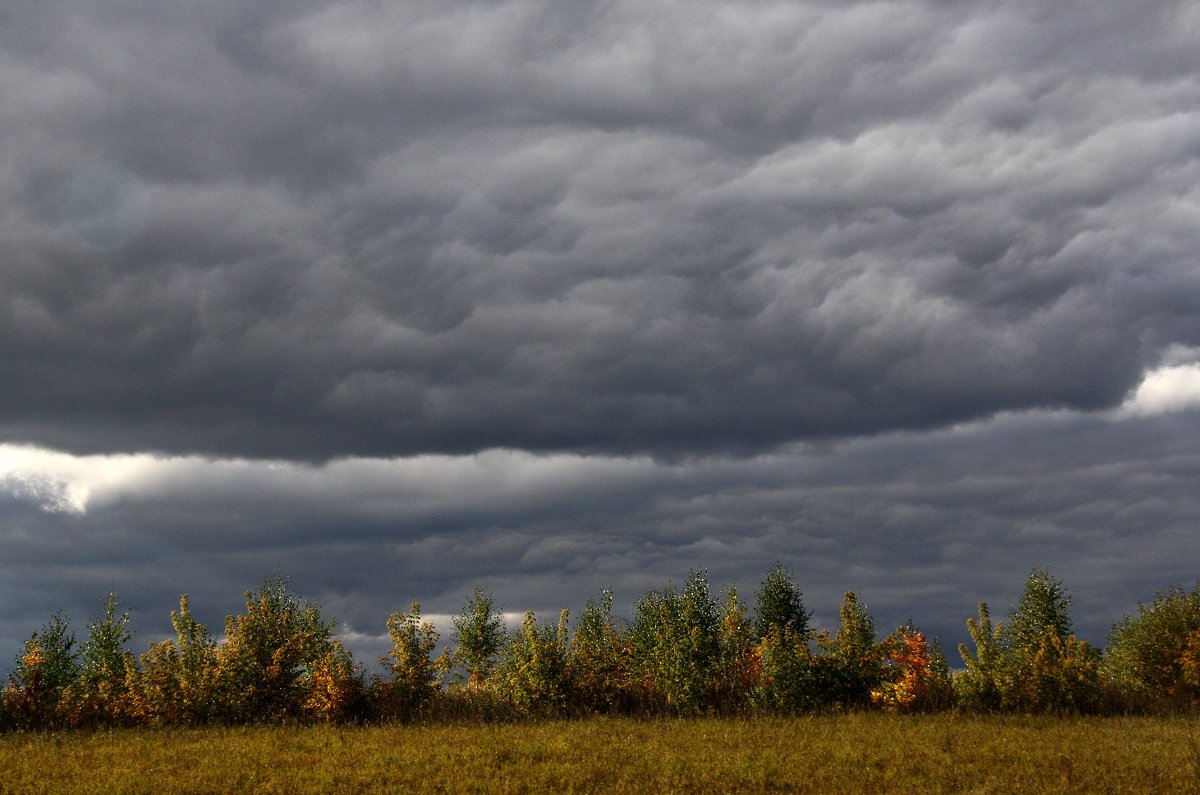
779,604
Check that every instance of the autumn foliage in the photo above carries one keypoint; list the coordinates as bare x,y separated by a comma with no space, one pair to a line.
683,652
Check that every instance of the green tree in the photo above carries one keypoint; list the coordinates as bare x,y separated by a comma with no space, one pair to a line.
779,603
414,674
676,643
978,687
479,636
275,656
1046,668
533,676
850,666
1153,658
98,695
1044,610
48,664
177,681
597,662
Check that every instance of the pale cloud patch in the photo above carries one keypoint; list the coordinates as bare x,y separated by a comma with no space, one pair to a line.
60,482
1165,390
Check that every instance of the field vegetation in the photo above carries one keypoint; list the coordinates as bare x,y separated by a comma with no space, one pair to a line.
858,752
685,652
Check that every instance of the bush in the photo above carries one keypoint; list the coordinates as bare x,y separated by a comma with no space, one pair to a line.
915,676
177,683
978,687
788,682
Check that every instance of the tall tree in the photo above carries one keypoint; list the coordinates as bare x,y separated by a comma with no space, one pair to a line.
1043,611
596,663
479,635
99,694
272,654
1154,657
676,643
103,653
780,605
414,681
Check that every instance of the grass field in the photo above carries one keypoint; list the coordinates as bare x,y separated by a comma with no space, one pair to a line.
843,754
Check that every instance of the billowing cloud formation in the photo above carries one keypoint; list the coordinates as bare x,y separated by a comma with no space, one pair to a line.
548,295
314,229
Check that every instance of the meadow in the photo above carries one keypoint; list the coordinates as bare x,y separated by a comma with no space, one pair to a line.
866,752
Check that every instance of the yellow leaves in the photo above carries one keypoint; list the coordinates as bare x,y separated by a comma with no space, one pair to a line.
1189,668
908,671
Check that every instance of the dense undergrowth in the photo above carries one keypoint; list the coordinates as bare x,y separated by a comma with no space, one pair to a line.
684,652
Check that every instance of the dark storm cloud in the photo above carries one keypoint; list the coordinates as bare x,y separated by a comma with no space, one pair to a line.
923,526
313,229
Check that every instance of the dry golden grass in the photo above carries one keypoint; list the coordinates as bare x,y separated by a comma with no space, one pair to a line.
868,753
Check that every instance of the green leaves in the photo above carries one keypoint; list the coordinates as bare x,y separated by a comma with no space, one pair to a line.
414,674
683,653
479,633
780,605
1153,658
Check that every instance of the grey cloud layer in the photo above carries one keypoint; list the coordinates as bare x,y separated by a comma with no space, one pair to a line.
317,229
923,526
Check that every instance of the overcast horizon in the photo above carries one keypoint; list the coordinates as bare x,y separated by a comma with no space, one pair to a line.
546,296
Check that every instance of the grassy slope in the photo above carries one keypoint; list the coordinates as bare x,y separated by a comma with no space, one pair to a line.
867,753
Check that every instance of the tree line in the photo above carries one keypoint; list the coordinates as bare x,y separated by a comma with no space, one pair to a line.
684,651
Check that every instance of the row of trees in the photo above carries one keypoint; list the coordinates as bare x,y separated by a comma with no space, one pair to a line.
683,652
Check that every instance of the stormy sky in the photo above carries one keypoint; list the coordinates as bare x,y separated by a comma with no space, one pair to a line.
542,296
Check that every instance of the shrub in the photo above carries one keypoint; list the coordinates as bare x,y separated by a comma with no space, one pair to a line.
915,674
177,682
788,682
978,687
739,667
